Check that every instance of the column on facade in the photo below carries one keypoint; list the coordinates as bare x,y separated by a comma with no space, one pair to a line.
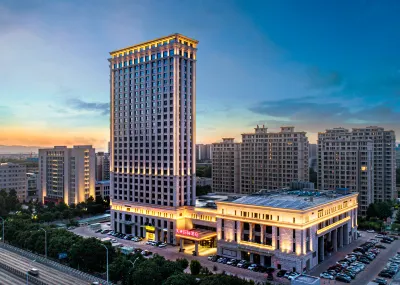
196,247
334,240
345,234
181,244
239,232
321,251
156,232
340,232
262,234
251,226
251,257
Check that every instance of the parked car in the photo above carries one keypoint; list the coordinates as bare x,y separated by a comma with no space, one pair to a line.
370,231
379,236
327,275
349,273
380,246
253,267
162,245
293,275
380,281
364,260
343,278
241,263
270,277
385,241
281,273
232,262
150,242
385,274
33,272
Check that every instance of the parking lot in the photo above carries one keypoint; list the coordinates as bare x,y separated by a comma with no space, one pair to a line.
172,253
371,270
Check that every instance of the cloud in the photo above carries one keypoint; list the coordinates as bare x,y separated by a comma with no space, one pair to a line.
77,104
307,111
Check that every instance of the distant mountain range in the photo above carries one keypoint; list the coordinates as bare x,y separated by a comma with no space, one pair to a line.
15,149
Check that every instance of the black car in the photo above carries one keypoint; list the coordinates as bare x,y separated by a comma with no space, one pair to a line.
364,260
380,246
270,277
385,274
349,273
380,281
342,278
281,273
394,237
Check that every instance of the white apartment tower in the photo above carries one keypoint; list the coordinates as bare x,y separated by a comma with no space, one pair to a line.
226,166
67,174
13,176
271,160
153,134
362,160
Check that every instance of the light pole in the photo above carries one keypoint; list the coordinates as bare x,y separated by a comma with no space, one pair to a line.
45,241
2,227
27,272
107,259
133,263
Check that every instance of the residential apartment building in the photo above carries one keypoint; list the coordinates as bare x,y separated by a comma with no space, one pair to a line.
271,160
226,166
153,134
102,189
102,166
286,230
312,156
32,191
362,160
398,157
204,152
67,174
13,176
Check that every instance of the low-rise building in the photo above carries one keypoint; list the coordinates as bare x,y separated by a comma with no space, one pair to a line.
13,177
204,181
32,192
102,189
293,230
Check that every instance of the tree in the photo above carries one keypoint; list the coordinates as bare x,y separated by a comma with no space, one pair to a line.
398,217
180,279
371,211
195,267
203,190
183,263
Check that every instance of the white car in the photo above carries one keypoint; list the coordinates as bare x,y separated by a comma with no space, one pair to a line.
379,236
326,275
252,267
150,242
293,275
114,240
162,245
370,231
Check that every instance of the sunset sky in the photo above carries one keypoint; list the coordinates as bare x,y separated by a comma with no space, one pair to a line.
311,64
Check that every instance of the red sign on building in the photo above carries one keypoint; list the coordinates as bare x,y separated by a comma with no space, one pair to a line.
187,233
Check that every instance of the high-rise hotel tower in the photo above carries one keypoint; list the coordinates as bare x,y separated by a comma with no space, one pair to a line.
153,134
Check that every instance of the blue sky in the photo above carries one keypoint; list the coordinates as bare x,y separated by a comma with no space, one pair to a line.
311,64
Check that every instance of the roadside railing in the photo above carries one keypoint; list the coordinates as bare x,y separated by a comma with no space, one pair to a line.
54,265
22,274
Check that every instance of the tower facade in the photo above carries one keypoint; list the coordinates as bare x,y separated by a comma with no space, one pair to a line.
153,95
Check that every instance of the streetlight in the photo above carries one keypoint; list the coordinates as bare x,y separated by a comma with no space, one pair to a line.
133,263
45,241
27,272
107,259
2,227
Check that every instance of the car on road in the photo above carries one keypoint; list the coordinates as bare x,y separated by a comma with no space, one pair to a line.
343,278
370,231
380,246
223,260
114,240
385,241
150,242
241,263
380,281
281,273
293,275
253,267
327,275
71,228
379,236
33,272
162,245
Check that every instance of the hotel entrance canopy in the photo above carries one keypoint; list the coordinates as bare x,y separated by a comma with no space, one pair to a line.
195,234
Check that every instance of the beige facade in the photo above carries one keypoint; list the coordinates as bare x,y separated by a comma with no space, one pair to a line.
271,160
67,174
153,130
226,166
286,231
13,176
362,160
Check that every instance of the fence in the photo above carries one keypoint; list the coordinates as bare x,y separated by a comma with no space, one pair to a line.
54,265
21,274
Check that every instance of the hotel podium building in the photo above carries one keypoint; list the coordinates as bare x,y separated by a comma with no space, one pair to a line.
153,134
286,230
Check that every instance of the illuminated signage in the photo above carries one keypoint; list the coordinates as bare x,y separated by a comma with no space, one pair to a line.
187,233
